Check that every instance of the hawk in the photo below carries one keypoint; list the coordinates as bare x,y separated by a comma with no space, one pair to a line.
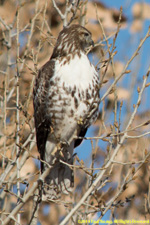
66,101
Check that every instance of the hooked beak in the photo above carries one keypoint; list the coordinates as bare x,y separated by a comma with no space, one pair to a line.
92,43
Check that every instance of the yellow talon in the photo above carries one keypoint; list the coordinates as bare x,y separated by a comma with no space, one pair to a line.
80,121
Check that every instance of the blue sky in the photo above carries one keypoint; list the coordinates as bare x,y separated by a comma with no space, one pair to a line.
126,44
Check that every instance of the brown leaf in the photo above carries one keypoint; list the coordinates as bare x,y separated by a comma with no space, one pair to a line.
28,168
141,10
136,26
122,93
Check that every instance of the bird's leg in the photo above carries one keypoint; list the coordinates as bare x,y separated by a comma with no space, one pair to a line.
57,147
65,143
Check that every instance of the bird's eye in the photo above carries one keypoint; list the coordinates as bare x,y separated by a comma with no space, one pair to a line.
86,34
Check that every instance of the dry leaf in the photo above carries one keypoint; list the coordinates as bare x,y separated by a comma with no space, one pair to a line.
122,93
141,10
137,26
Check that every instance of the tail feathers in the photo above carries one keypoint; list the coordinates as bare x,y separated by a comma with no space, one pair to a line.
59,181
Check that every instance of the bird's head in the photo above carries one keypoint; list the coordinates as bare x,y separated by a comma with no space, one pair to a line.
72,39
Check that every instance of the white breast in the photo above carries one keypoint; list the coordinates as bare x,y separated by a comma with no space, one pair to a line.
69,103
79,71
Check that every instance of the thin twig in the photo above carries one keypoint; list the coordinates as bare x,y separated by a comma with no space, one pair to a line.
27,196
101,173
127,64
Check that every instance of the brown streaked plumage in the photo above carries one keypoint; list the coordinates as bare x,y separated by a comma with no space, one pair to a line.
66,99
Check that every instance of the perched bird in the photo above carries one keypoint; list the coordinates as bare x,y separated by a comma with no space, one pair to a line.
66,100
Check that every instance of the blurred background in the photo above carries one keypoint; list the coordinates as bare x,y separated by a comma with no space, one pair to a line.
28,33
